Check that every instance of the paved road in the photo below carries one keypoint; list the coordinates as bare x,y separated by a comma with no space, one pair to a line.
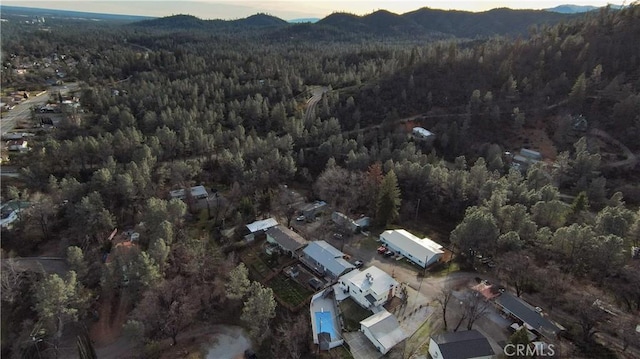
23,110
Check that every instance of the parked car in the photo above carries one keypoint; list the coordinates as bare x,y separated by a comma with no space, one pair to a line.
358,264
338,236
300,218
382,249
388,253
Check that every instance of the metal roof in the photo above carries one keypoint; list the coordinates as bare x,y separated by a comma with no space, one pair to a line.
423,248
328,256
262,225
527,314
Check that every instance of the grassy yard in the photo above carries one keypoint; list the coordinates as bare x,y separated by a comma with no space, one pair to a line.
418,343
353,314
288,290
255,264
445,269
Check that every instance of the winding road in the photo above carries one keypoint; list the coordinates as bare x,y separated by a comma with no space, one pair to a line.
312,103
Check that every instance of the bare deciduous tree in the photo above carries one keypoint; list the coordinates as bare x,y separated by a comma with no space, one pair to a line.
443,298
293,335
168,308
11,279
476,307
587,309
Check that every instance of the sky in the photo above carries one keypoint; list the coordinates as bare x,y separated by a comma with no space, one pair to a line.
284,9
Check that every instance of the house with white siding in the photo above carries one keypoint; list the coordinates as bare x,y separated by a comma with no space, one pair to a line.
371,287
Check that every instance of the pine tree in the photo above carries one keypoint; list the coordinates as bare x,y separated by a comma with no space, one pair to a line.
389,199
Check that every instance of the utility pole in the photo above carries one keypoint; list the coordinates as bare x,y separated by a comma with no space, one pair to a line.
417,208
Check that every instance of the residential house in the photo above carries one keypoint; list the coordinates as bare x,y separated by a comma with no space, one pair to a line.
259,227
528,153
526,314
525,158
343,221
198,192
287,240
13,136
311,210
17,145
470,344
383,330
370,288
325,260
421,251
363,222
423,134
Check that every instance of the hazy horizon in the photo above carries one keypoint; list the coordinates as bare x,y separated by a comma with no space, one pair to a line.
287,9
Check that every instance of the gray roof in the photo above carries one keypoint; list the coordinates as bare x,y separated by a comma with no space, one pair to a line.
328,256
286,238
527,314
385,328
463,345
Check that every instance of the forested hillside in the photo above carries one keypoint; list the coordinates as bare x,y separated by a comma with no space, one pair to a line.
162,109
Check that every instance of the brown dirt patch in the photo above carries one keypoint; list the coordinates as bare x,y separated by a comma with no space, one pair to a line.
112,312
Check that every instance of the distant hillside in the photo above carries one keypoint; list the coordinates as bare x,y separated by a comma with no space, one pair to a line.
576,9
191,22
572,9
304,20
419,24
8,11
175,22
427,21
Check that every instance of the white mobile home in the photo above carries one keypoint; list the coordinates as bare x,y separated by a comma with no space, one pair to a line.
421,251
